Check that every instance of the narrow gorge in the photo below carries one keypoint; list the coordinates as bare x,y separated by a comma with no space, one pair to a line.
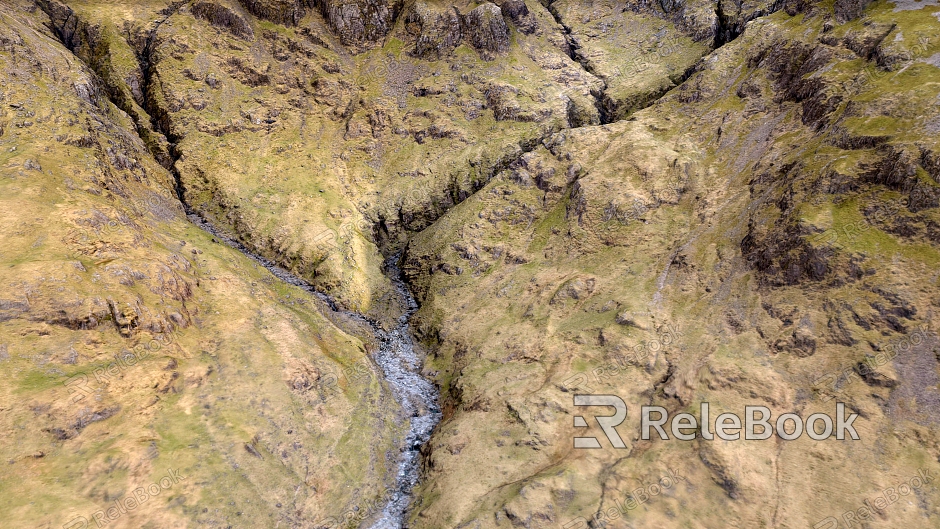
392,264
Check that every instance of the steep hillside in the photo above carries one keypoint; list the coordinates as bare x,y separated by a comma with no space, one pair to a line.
134,342
753,238
675,203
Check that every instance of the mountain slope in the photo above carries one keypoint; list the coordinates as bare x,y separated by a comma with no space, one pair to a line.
671,202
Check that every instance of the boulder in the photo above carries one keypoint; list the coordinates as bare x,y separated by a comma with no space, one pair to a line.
486,30
287,12
437,32
359,22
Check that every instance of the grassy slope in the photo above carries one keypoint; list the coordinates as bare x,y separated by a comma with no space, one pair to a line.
89,222
559,271
724,152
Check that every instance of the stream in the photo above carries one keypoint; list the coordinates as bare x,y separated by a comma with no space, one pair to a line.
400,364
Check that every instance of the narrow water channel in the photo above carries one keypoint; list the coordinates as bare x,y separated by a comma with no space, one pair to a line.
400,364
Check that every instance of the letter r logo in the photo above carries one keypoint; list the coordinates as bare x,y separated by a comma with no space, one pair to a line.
827,523
577,523
79,522
608,423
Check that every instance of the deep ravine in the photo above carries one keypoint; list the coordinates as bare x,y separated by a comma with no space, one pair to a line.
400,363
397,358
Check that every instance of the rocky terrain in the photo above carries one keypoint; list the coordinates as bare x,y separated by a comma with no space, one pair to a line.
674,202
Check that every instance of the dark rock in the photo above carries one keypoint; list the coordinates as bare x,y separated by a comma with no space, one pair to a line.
86,418
930,161
923,196
804,343
487,30
245,73
626,318
125,319
287,12
501,98
519,13
865,41
732,17
582,111
784,256
840,333
577,289
873,378
847,10
437,32
895,170
791,66
359,22
252,450
224,18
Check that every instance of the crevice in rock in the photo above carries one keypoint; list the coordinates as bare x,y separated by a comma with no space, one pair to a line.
726,30
158,118
396,361
730,25
391,235
75,34
600,96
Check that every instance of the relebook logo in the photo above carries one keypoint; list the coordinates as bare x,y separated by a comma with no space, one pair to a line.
757,424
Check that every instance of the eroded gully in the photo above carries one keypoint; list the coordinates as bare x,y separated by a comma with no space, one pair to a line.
400,363
397,358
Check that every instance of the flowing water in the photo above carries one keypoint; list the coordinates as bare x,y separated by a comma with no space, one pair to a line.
400,364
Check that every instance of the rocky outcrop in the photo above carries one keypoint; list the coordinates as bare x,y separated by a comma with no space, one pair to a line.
847,10
436,32
287,12
731,17
783,257
519,14
486,30
360,22
223,17
502,99
94,45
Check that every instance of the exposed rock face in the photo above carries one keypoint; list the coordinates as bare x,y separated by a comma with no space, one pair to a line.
501,98
847,10
360,22
124,83
437,32
784,258
64,23
280,11
732,16
487,30
224,18
519,13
